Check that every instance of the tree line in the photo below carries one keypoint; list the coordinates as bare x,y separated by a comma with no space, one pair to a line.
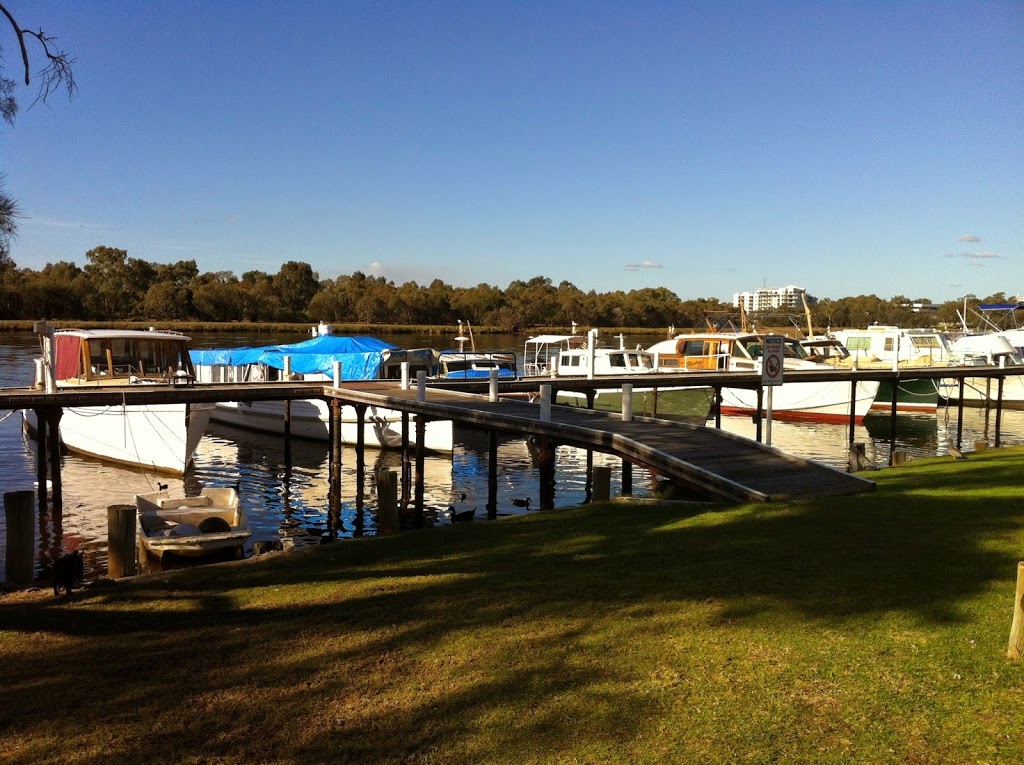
112,286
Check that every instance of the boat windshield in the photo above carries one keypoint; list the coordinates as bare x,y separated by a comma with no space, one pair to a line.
142,357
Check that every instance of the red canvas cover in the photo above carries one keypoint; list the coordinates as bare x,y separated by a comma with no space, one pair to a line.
68,351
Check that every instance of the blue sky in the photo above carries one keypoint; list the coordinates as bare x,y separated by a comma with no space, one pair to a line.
707,147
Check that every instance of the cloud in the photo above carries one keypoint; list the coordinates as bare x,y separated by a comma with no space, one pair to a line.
203,220
376,268
70,224
973,256
970,238
642,265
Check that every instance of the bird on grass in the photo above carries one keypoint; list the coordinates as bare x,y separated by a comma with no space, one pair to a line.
954,452
521,502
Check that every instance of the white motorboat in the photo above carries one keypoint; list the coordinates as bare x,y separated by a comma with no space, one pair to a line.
992,349
191,526
360,358
161,437
742,351
579,356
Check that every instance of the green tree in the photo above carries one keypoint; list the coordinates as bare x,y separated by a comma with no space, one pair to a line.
117,283
295,285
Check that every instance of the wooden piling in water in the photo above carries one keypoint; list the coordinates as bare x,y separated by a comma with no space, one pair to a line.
21,537
421,437
627,478
121,541
1016,647
387,502
42,493
602,480
53,415
492,475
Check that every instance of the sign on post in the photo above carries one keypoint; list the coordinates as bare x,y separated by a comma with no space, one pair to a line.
771,361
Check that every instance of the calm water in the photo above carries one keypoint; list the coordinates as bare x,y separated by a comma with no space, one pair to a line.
290,501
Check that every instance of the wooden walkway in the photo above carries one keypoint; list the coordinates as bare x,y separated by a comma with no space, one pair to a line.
713,461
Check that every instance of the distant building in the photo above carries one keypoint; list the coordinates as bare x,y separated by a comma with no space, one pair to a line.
785,298
921,307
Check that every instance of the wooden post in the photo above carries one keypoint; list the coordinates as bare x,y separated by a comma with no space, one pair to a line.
360,457
42,491
387,502
892,420
18,513
627,478
602,480
492,475
546,451
288,432
898,458
757,414
960,414
1016,648
334,510
858,457
853,412
718,406
53,415
421,436
121,541
406,461
999,409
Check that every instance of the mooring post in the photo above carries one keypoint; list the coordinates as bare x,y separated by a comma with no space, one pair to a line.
334,493
53,415
545,403
42,491
546,451
853,412
406,460
360,452
288,431
627,478
757,414
960,414
387,502
717,404
999,409
602,480
1016,647
121,541
492,475
892,420
492,385
18,513
591,395
421,437
627,402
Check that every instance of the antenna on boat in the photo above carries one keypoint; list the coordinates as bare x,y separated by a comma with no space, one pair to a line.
461,339
574,325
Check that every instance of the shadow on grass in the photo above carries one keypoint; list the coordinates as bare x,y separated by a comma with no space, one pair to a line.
922,546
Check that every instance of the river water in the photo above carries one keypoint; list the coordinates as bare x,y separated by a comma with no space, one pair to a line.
289,502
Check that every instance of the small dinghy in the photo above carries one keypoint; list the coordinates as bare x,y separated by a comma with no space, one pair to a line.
191,526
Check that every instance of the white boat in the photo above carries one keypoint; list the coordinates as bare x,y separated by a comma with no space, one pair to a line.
191,526
890,347
361,358
742,351
993,349
475,365
160,437
576,356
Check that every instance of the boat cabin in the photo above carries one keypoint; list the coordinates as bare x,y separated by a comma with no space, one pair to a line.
472,365
573,355
117,357
892,344
719,351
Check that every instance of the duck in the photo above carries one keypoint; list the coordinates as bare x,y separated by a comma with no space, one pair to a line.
161,486
521,502
954,452
464,516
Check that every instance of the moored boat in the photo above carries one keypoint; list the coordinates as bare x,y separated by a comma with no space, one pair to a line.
191,526
160,437
742,351
890,347
576,356
992,349
360,358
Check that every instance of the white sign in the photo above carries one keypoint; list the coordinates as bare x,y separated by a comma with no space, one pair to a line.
771,361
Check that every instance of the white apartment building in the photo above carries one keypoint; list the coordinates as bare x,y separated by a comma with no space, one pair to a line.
785,298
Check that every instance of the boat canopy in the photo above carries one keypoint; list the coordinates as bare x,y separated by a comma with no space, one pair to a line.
361,357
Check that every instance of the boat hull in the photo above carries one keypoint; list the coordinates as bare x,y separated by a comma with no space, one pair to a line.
310,419
982,391
158,437
911,396
818,401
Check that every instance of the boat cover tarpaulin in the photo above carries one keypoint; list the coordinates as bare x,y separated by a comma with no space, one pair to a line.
360,357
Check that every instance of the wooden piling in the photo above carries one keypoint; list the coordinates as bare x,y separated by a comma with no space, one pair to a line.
387,502
1016,647
853,413
602,480
18,513
492,475
121,541
41,462
899,457
53,415
627,478
421,437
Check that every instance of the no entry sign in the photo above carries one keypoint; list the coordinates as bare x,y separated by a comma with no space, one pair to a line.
771,361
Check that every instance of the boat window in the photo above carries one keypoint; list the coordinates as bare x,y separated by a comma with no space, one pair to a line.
793,350
855,343
755,350
925,341
888,345
123,357
617,359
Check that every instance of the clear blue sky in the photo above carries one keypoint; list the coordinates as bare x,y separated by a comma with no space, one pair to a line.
708,147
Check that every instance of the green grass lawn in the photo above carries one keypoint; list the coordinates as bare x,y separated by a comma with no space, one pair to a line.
868,629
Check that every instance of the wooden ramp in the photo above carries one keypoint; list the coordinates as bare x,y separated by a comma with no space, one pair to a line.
715,462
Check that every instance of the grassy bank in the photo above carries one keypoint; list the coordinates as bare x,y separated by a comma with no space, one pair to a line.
866,629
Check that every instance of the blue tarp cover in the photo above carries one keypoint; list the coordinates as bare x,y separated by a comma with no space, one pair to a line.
360,357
